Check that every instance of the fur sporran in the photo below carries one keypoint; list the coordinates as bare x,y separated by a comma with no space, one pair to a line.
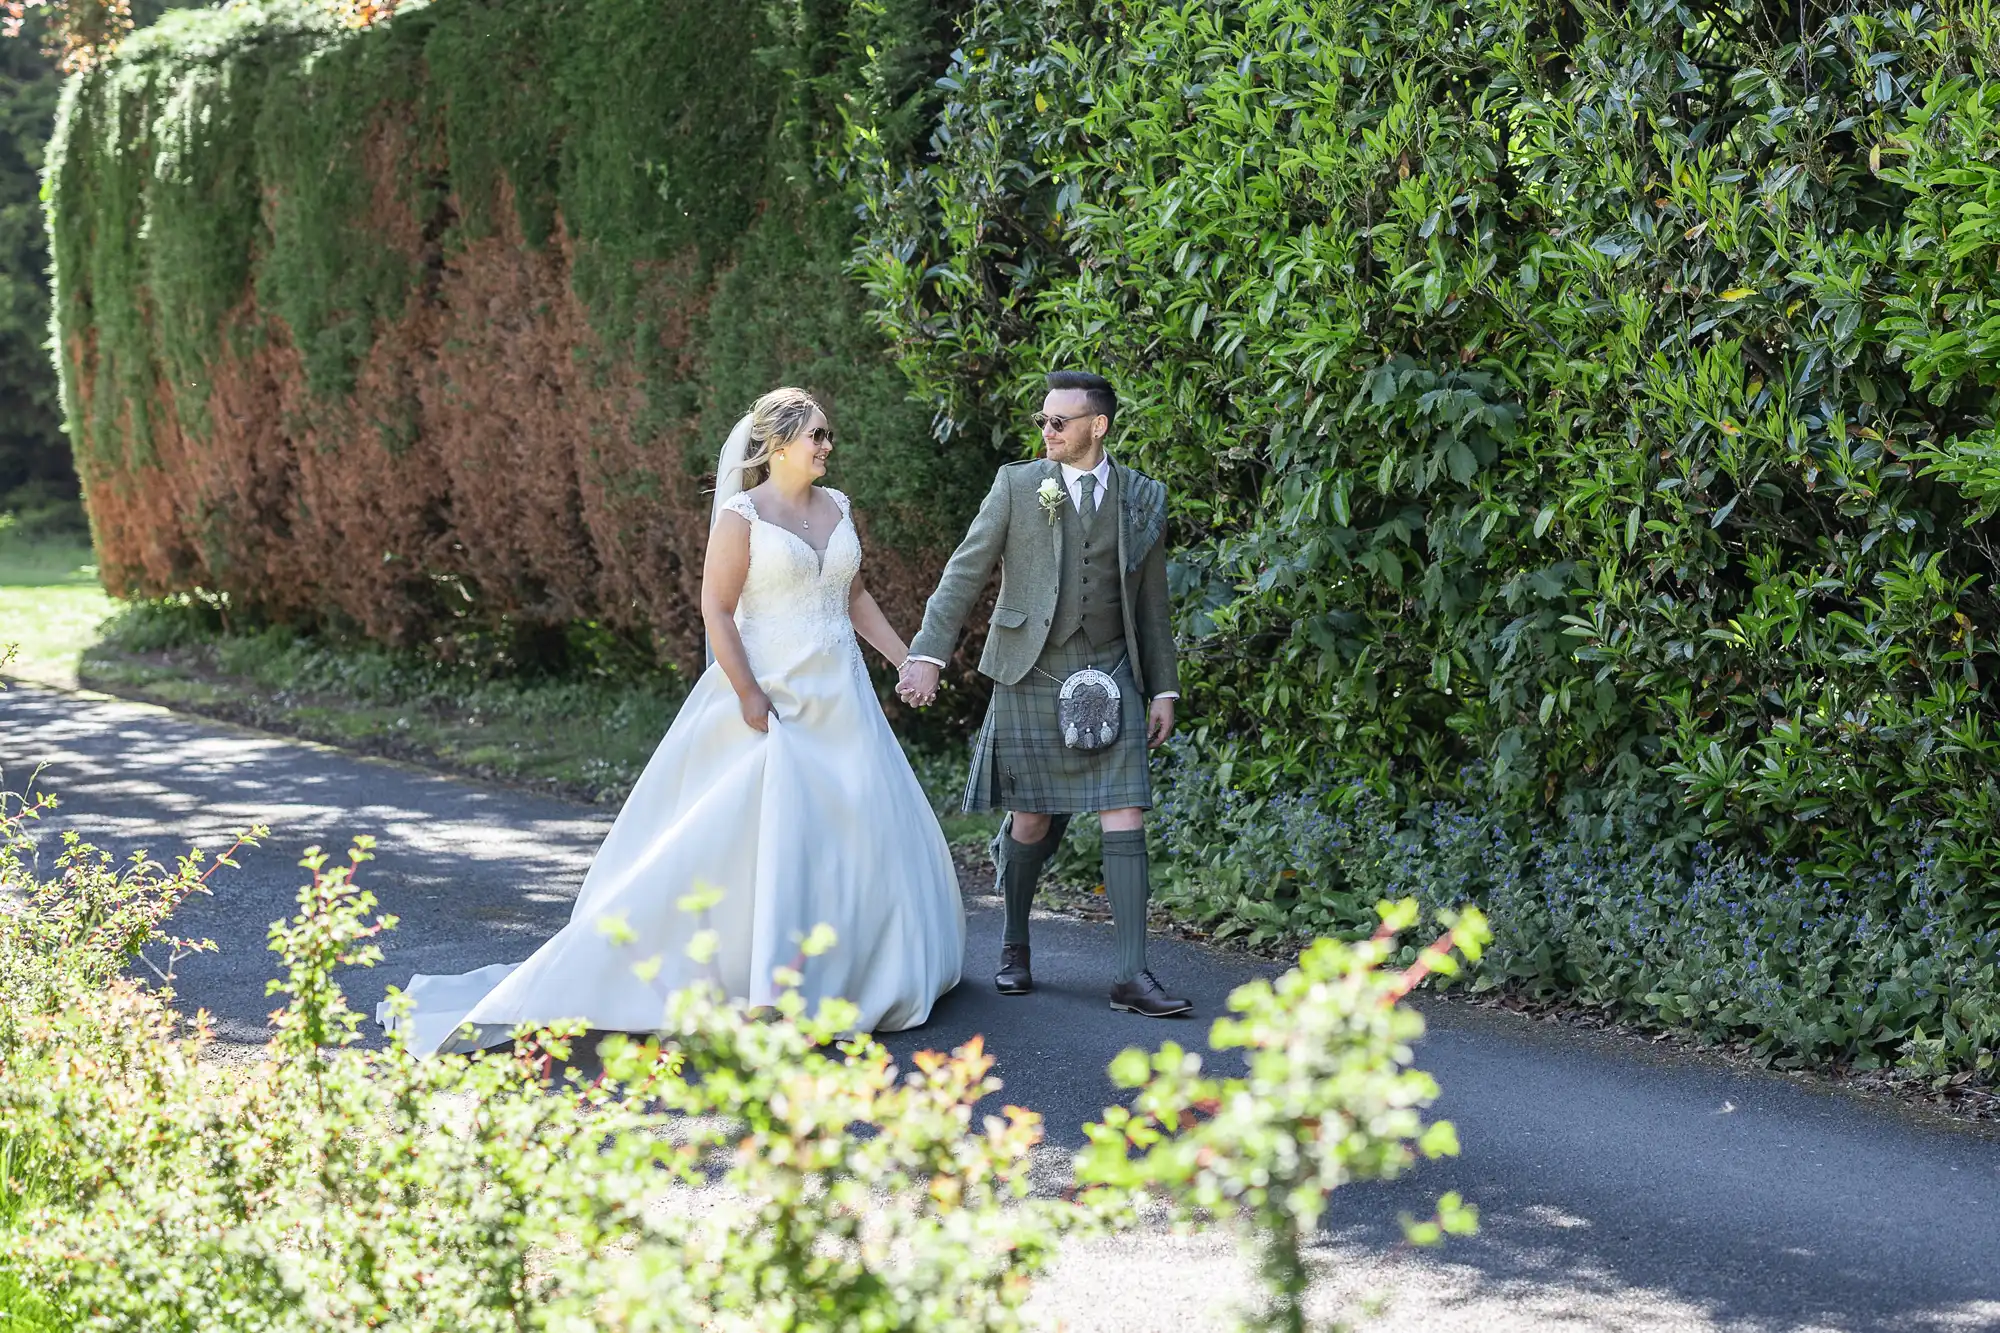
1088,712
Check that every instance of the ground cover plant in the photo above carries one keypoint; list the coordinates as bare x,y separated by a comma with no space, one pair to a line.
585,730
754,1171
1870,971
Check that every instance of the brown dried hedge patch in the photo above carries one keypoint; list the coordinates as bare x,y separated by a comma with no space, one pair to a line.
487,465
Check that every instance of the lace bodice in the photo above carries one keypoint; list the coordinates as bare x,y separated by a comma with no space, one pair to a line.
794,601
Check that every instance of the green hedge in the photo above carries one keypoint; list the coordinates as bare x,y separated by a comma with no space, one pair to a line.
241,178
1559,404
1580,421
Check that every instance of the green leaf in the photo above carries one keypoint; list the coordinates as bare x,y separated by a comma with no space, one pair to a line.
1131,1068
1463,465
1439,1140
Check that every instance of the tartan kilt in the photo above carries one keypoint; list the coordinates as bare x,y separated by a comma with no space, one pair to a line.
1019,761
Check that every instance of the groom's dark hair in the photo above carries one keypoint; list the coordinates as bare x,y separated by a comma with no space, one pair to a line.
1103,398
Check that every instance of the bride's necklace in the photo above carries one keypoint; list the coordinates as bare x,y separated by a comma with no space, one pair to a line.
805,524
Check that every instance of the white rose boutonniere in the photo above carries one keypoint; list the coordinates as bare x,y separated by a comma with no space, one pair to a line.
1050,495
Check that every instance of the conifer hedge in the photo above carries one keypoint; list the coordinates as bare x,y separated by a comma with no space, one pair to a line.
435,327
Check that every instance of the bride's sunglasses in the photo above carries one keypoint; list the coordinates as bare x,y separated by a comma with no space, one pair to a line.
820,435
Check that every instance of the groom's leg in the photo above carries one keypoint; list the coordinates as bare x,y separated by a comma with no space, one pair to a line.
1024,845
1128,884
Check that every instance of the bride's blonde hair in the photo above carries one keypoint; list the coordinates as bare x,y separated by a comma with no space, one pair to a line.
776,420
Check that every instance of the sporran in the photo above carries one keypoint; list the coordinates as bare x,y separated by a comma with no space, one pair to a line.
1087,711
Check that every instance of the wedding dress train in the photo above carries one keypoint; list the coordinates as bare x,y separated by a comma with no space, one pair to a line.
817,821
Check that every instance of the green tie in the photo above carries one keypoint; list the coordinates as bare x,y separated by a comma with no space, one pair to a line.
1088,481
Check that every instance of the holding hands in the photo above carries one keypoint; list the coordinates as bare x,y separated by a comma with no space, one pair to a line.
917,683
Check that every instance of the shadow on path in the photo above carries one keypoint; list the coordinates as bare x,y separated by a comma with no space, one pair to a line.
1739,1199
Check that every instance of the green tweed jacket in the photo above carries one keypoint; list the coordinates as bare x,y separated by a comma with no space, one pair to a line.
1014,530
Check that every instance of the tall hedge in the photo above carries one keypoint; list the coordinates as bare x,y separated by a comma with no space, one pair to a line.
1570,410
439,324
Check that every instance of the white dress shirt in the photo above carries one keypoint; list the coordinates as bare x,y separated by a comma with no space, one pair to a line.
1072,480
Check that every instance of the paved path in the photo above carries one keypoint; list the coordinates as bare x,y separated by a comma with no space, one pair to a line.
1620,1189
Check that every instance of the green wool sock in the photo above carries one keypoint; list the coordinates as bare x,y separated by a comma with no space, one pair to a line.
1125,883
1020,866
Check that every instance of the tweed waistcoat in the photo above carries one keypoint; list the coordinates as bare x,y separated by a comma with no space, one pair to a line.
1089,600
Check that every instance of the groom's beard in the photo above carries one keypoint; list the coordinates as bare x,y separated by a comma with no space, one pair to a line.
1080,456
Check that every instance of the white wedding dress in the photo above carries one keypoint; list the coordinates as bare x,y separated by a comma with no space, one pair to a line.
817,821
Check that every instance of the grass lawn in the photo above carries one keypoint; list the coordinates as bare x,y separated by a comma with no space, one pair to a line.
50,606
22,1308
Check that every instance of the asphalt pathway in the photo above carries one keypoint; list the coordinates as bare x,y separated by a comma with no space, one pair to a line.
1620,1187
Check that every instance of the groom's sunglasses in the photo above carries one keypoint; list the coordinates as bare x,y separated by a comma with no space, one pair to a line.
1043,421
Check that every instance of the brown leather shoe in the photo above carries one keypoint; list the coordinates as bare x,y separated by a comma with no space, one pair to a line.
1014,978
1144,996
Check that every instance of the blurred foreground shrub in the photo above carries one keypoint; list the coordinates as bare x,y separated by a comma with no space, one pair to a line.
750,1171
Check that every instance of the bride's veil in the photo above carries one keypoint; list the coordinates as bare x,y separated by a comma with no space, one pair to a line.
729,469
728,484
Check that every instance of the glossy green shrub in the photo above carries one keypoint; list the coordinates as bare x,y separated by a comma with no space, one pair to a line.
1565,407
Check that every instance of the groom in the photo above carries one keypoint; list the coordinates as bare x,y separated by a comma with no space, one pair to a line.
1081,545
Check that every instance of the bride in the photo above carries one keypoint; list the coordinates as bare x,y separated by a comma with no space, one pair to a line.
779,787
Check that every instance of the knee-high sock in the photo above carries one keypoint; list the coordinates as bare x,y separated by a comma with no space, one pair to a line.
1019,866
1126,884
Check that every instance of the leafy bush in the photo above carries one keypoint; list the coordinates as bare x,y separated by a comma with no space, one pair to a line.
1327,1100
1564,406
749,1171
337,1187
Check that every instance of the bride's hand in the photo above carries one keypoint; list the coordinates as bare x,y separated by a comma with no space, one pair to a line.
757,709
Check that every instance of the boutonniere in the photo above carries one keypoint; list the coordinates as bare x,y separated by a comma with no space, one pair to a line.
1051,497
